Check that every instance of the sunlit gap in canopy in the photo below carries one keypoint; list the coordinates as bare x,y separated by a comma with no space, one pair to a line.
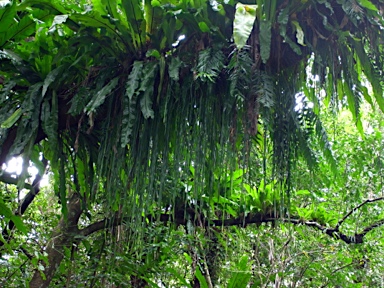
302,102
177,42
15,166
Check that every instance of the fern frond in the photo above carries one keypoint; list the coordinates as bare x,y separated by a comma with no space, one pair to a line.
210,63
147,88
265,90
30,121
79,101
129,102
129,117
239,69
100,96
134,79
325,145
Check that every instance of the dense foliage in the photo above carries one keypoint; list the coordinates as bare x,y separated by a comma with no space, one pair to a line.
192,143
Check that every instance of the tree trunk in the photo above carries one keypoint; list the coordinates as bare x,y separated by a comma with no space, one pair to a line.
62,237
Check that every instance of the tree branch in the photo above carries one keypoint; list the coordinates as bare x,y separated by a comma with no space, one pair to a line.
100,225
373,226
335,233
356,208
8,179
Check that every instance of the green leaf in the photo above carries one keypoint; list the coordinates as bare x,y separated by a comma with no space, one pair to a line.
19,224
354,105
29,122
155,3
283,21
299,33
100,6
241,277
134,79
12,119
204,27
188,258
52,6
49,119
373,77
6,245
58,19
15,58
153,53
146,105
51,77
4,210
133,10
368,4
303,192
87,245
325,145
174,67
100,96
201,278
35,159
129,102
134,13
21,30
7,14
265,39
93,19
245,17
210,64
146,86
79,101
175,273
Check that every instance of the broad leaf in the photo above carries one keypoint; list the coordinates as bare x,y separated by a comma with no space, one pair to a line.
245,17
201,278
7,14
241,276
19,224
51,77
368,4
12,119
100,96
146,87
4,210
134,79
173,68
299,33
265,39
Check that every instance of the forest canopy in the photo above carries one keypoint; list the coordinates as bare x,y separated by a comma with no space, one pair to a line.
187,126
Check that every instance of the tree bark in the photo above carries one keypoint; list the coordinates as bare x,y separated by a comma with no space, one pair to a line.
63,236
